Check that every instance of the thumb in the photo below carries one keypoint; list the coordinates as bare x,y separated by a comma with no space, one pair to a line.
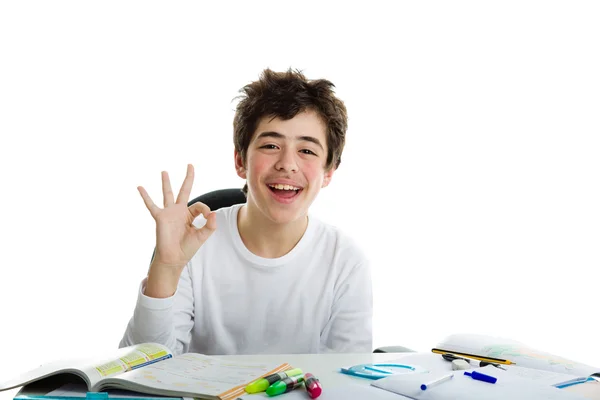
211,221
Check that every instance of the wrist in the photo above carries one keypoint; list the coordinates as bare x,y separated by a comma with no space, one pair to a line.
162,282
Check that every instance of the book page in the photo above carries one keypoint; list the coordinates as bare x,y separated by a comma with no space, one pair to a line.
193,375
92,371
126,359
514,351
47,370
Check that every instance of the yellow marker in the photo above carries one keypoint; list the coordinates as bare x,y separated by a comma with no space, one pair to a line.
262,384
480,358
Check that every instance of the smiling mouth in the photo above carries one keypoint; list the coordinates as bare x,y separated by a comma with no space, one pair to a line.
285,191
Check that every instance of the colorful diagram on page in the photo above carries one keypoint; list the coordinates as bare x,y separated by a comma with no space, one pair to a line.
514,352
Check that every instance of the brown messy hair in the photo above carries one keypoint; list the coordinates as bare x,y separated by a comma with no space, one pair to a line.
283,95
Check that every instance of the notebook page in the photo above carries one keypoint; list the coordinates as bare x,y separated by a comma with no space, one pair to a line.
508,387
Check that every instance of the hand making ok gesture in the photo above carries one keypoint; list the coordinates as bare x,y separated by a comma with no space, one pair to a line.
177,239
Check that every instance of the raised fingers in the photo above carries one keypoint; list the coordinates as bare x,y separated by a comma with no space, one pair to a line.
167,191
147,200
186,187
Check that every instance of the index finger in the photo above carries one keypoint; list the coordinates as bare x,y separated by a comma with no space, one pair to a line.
186,187
148,201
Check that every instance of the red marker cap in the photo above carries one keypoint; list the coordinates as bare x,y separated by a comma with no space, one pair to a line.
313,387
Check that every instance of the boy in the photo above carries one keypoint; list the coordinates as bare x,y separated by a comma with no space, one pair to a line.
262,277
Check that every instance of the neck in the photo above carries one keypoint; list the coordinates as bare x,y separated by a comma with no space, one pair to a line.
266,238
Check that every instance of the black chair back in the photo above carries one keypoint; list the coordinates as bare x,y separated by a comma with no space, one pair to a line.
220,198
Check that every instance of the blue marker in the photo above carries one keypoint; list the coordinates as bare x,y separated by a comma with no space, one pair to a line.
481,377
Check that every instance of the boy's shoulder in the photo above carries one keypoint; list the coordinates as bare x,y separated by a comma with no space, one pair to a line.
337,238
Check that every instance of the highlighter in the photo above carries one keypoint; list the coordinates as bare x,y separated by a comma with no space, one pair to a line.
285,385
313,387
262,384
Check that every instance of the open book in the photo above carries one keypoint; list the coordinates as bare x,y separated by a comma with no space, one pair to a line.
516,352
152,369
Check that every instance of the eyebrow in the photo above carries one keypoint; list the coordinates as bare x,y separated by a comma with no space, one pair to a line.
278,135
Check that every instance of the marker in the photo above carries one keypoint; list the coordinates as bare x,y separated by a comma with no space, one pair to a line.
444,378
480,358
481,377
262,384
313,387
285,385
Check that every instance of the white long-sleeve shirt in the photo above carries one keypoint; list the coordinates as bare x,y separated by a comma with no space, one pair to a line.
317,298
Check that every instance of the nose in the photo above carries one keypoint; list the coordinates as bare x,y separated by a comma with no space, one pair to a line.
287,161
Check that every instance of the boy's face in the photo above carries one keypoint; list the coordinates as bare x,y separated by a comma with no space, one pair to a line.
285,166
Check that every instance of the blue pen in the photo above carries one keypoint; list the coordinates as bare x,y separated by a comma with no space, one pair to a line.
437,381
481,377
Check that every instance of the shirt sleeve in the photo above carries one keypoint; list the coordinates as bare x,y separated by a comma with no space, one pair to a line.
167,321
349,329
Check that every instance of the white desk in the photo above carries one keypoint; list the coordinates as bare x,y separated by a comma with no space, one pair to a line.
325,367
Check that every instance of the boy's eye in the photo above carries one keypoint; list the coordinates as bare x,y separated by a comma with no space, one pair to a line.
307,151
268,146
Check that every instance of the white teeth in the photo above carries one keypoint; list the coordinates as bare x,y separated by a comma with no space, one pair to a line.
283,187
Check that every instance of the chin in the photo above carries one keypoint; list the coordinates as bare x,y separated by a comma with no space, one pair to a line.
284,216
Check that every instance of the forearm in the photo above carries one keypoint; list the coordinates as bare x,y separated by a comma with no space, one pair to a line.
152,321
167,321
162,280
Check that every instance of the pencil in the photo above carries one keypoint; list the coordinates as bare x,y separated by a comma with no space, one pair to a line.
475,357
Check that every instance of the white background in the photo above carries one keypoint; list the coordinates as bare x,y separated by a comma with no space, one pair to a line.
470,175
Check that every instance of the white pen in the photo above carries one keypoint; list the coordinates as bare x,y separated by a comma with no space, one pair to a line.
437,381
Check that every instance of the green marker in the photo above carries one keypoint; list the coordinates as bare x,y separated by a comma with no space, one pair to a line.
262,384
285,385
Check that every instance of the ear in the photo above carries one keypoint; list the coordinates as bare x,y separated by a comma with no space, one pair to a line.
327,177
240,169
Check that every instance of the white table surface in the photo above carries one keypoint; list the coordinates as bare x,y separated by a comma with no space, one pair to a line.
325,367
